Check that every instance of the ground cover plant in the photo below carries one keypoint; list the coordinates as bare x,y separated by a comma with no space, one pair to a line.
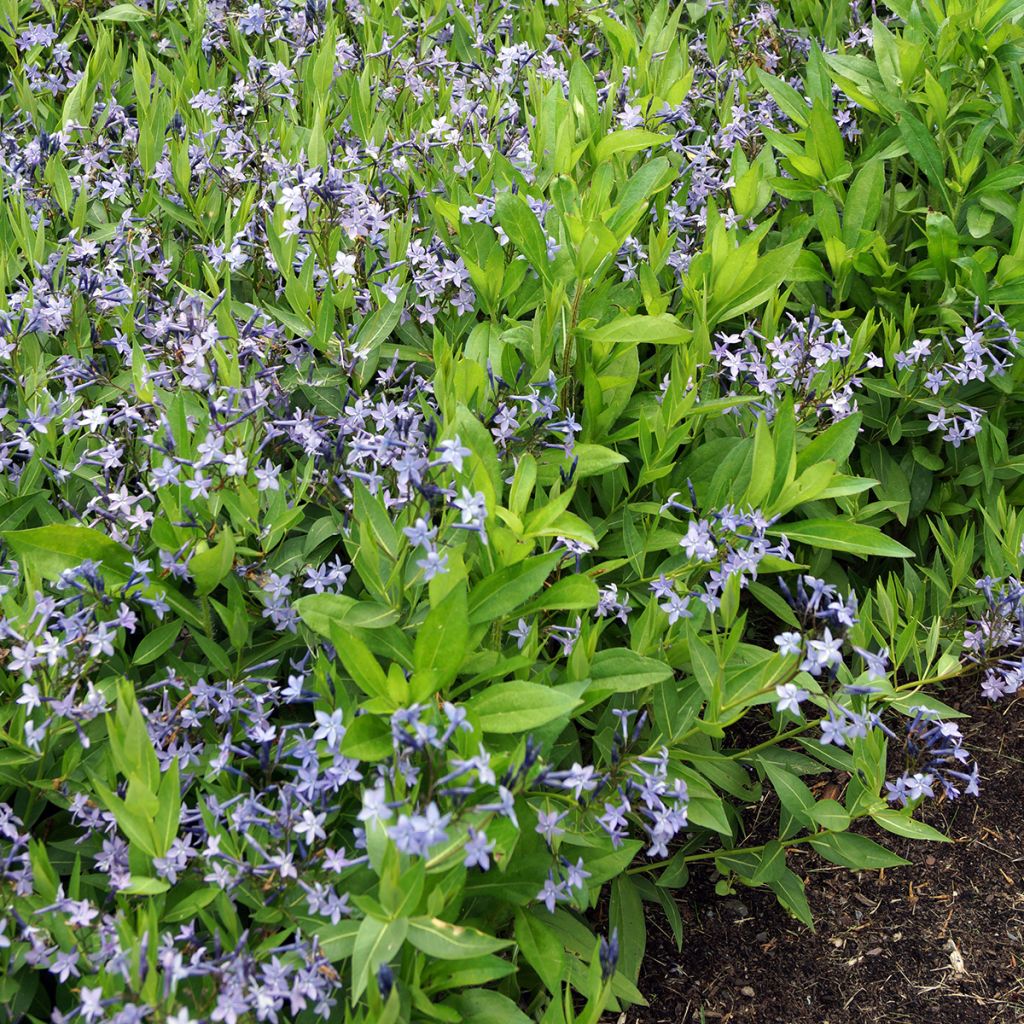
457,456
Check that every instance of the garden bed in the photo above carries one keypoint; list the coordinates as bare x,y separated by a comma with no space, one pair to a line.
939,940
478,477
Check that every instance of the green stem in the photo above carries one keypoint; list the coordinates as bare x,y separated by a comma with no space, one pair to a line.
710,854
204,603
795,731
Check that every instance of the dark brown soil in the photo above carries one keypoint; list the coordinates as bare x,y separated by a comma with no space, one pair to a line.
938,942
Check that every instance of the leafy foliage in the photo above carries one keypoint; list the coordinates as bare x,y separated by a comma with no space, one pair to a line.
456,458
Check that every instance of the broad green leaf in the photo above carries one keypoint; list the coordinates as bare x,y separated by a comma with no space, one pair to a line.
376,943
49,550
488,1007
139,885
442,639
522,227
445,941
542,949
519,706
210,567
834,443
789,889
628,140
923,148
360,663
450,975
367,738
321,611
123,13
851,850
838,535
571,593
636,329
772,863
626,915
792,104
619,670
596,459
793,793
902,824
504,591
156,643
831,814
377,327
863,202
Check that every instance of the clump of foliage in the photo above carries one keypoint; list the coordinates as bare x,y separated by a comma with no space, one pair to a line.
457,457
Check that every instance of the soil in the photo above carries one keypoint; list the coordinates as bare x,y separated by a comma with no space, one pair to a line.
940,941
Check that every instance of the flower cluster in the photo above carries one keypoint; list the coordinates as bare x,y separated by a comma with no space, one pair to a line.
995,641
935,760
948,368
809,359
724,544
825,618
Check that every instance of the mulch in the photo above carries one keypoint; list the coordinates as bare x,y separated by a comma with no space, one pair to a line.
940,941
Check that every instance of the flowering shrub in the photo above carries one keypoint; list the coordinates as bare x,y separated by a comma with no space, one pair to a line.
457,457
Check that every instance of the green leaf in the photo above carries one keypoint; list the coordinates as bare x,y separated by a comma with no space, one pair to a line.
636,329
156,643
571,593
619,670
337,941
519,706
923,148
190,903
485,1006
377,327
837,535
789,889
902,824
136,826
522,227
542,949
824,142
49,550
596,460
321,611
831,814
789,100
367,738
626,913
762,469
124,13
772,864
793,794
632,198
450,975
833,444
14,511
628,140
863,202
168,815
443,638
360,663
211,566
736,295
855,851
445,941
376,943
504,591
139,885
